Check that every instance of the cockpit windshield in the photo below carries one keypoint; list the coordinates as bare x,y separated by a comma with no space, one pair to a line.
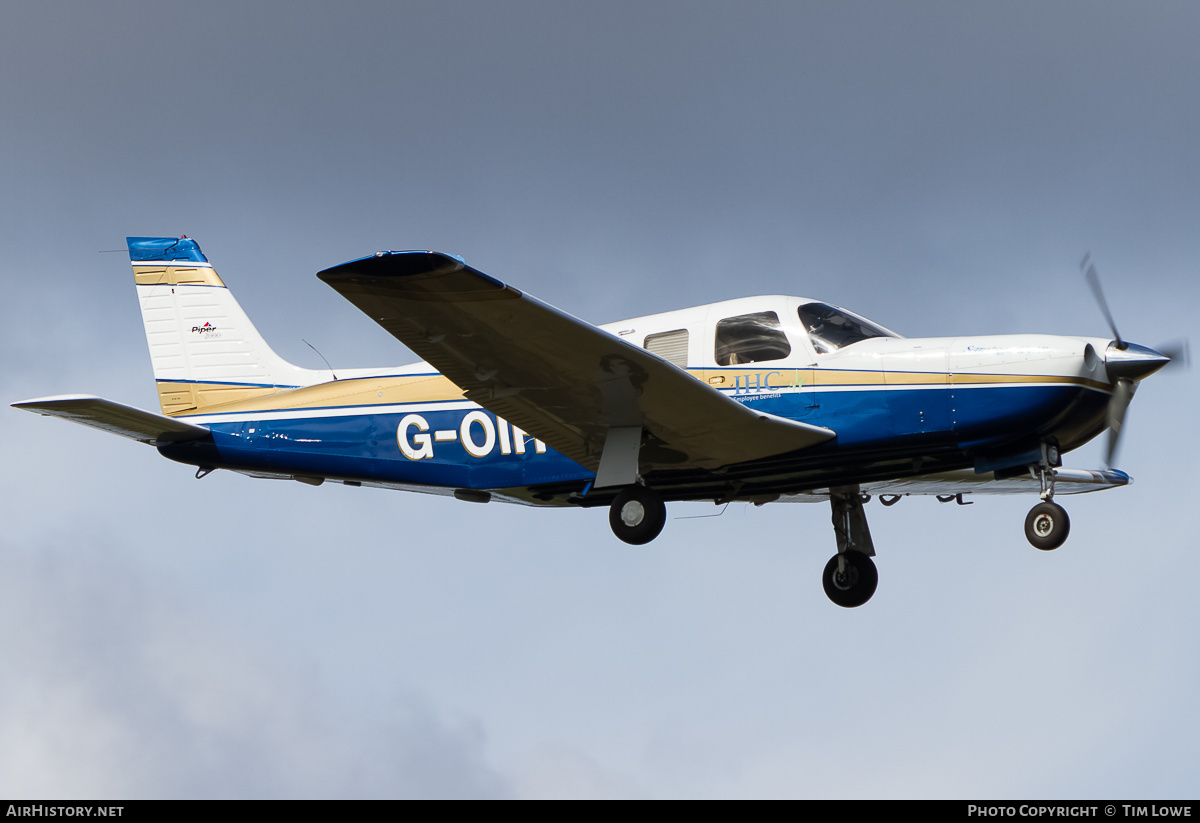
831,328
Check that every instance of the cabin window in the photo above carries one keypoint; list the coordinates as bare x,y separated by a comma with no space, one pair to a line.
671,346
751,338
831,328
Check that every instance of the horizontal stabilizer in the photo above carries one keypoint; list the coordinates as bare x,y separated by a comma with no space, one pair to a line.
143,426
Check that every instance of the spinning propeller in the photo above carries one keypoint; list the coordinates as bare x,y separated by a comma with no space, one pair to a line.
1126,363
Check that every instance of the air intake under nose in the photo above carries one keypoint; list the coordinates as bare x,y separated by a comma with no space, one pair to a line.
1133,362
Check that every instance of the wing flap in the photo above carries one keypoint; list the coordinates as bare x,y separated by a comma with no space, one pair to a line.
115,418
560,379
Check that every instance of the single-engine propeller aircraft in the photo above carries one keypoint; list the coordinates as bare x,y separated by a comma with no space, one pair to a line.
760,399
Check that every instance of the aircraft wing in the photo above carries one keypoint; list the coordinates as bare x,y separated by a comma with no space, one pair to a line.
967,482
560,379
115,418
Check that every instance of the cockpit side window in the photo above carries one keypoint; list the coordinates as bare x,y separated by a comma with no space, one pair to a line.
831,328
751,338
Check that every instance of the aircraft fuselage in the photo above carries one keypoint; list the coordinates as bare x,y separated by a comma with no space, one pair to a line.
900,407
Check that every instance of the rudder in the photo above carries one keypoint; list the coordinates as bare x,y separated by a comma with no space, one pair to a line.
204,350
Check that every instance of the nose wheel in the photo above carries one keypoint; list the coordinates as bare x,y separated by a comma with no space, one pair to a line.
637,515
1047,526
850,579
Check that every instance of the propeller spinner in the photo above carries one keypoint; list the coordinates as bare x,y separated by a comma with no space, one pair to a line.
1125,363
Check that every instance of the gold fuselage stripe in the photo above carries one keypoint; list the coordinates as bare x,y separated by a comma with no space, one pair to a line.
766,379
183,397
203,398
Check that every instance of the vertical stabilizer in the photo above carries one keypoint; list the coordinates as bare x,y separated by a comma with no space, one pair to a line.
204,350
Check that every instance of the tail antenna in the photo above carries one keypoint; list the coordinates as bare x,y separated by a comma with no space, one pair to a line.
314,348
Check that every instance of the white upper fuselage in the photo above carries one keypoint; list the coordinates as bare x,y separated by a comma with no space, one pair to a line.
1025,354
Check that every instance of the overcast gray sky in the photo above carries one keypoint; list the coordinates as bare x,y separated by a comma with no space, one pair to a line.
939,167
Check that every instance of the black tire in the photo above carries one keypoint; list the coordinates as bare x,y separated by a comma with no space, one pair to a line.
1047,526
637,515
856,586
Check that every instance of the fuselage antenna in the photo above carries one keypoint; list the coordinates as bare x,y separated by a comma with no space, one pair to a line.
314,348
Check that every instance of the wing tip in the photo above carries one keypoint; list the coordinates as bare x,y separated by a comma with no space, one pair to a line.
389,264
33,403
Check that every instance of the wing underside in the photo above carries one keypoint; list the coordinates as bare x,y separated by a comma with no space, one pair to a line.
967,482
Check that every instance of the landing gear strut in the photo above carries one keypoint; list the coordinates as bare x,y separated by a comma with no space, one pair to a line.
1047,524
637,515
850,576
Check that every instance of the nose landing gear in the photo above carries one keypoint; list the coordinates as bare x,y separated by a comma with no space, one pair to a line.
1047,526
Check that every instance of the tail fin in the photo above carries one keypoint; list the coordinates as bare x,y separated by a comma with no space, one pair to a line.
204,350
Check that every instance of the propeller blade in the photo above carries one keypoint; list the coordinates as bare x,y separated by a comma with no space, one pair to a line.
1117,405
1126,363
1093,281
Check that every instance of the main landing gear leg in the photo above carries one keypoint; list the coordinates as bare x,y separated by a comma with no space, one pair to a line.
850,576
1047,524
637,515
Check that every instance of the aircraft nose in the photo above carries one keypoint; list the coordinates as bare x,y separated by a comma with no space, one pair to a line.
1133,362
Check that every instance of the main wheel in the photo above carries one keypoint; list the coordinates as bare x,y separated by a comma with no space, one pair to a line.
855,585
1047,526
637,515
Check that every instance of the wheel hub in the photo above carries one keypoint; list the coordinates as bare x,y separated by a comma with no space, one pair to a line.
1043,524
632,513
846,580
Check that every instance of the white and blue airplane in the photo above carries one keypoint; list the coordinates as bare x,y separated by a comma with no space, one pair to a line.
760,399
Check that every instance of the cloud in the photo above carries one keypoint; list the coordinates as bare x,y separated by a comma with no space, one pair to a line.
939,171
116,686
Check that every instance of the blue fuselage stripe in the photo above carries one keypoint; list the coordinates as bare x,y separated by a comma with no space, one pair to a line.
441,447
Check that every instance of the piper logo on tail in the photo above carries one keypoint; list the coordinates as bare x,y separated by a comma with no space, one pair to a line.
207,330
